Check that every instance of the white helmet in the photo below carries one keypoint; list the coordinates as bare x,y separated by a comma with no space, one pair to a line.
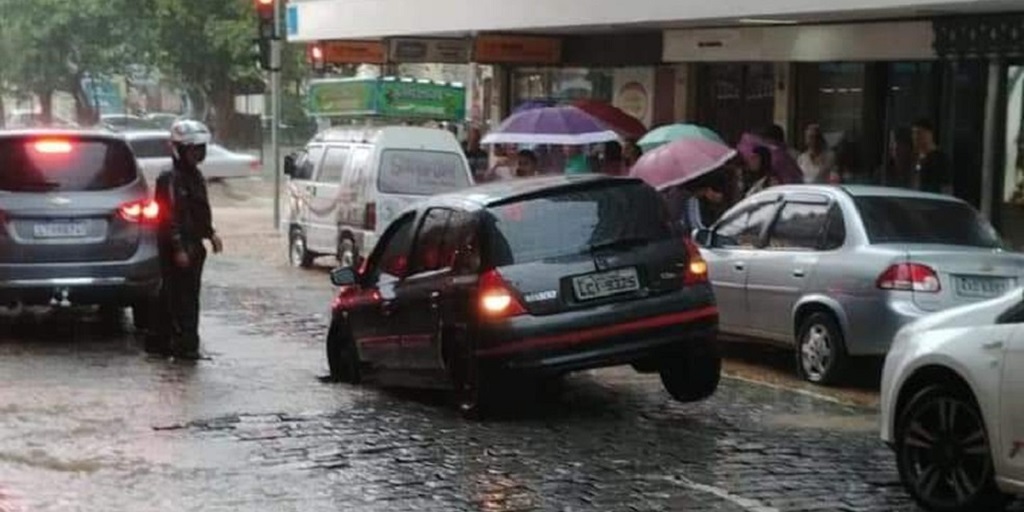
189,133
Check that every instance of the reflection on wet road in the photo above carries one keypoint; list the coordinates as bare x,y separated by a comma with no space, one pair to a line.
89,422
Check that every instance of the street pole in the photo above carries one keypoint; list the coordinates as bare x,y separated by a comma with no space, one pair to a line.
275,107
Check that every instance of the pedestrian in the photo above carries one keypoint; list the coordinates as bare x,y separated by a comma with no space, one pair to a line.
612,160
932,171
762,173
185,226
817,162
576,161
695,204
901,162
478,158
631,152
526,164
776,135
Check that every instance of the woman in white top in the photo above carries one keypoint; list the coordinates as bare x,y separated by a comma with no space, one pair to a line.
818,161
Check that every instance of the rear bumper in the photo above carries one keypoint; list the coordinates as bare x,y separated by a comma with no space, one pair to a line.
872,325
618,334
114,282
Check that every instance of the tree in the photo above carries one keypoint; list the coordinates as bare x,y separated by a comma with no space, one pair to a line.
58,43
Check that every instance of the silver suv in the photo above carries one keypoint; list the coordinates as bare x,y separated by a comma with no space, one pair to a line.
77,222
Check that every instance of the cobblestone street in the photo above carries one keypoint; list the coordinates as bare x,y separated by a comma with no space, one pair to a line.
91,423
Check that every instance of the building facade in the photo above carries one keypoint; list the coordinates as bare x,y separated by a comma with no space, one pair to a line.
864,70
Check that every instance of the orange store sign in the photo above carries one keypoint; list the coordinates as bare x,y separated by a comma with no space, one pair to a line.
494,49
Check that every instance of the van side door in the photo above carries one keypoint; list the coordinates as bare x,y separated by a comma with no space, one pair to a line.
324,206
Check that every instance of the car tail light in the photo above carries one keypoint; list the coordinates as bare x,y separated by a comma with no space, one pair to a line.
496,298
370,220
52,146
696,267
140,211
910,277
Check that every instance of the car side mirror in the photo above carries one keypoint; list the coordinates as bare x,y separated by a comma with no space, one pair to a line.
344,276
704,237
289,166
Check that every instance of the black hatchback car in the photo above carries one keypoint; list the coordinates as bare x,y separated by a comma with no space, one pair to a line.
526,280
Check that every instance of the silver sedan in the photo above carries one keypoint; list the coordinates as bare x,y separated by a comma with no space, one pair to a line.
836,271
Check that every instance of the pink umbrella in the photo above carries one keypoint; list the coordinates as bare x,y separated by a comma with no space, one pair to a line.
681,161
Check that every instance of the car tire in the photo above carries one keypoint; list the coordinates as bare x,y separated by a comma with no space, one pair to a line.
942,449
693,375
298,254
821,350
348,252
342,355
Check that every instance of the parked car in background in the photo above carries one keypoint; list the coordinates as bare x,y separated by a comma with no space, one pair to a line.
126,122
153,149
21,119
162,120
77,225
837,271
347,185
953,405
527,280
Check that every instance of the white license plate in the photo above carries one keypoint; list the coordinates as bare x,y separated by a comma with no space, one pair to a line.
606,284
60,230
982,287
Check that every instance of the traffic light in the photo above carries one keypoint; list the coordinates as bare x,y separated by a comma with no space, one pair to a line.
261,53
316,57
264,44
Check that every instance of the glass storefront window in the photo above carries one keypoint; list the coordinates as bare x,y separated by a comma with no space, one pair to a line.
565,85
833,96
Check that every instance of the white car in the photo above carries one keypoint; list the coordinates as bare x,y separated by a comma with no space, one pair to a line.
153,150
953,405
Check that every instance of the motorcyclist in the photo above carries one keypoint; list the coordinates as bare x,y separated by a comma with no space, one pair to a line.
181,193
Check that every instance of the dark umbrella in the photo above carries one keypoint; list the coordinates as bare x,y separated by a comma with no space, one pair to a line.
624,124
785,167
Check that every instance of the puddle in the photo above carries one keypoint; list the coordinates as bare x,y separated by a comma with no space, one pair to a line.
819,421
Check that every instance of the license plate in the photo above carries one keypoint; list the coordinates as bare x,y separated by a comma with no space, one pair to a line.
982,287
606,284
60,230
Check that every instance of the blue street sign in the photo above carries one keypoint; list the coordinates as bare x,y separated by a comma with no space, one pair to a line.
292,20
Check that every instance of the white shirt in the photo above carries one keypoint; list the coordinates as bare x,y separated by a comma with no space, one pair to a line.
816,171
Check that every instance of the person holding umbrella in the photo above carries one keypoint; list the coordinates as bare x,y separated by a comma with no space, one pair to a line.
762,171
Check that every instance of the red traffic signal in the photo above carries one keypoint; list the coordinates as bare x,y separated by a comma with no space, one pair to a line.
265,9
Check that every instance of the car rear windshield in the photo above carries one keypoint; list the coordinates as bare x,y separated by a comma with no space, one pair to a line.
154,147
48,164
422,173
577,221
925,221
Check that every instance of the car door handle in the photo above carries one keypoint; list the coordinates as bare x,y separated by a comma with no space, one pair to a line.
799,272
435,299
993,345
387,307
739,266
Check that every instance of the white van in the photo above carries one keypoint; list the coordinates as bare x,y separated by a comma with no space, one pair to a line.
347,185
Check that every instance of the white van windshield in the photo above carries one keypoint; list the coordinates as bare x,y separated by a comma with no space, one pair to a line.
421,173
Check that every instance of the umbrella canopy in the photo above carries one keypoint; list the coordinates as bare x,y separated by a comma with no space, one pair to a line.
551,125
680,162
783,164
673,132
626,125
532,104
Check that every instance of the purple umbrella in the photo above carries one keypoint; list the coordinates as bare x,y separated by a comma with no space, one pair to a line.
551,125
531,105
785,167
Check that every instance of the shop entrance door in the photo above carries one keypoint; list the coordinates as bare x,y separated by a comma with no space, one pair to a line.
736,98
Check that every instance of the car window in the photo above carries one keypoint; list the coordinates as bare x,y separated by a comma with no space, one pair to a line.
65,164
835,231
421,173
151,147
307,162
391,257
355,178
924,221
798,226
570,222
333,165
428,254
744,228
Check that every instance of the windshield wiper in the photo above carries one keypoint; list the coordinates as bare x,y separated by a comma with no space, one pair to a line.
621,243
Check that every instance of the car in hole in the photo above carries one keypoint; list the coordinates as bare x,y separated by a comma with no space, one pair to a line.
836,271
952,404
77,222
523,281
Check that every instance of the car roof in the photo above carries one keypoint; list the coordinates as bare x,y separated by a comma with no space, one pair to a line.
60,132
859,191
482,196
139,134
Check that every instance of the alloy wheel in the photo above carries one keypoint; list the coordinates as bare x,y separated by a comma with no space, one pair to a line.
816,353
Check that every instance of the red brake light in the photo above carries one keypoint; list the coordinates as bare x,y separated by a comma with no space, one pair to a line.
52,146
140,211
496,298
910,277
696,267
370,221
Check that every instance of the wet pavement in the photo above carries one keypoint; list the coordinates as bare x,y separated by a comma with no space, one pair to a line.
88,422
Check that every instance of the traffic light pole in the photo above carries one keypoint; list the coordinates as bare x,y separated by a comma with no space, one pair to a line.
275,107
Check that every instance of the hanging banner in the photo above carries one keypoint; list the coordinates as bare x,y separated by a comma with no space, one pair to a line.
381,97
429,50
494,49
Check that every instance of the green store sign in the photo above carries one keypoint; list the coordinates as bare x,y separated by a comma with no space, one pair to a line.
386,98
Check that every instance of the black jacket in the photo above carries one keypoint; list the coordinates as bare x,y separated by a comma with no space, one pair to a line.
187,221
